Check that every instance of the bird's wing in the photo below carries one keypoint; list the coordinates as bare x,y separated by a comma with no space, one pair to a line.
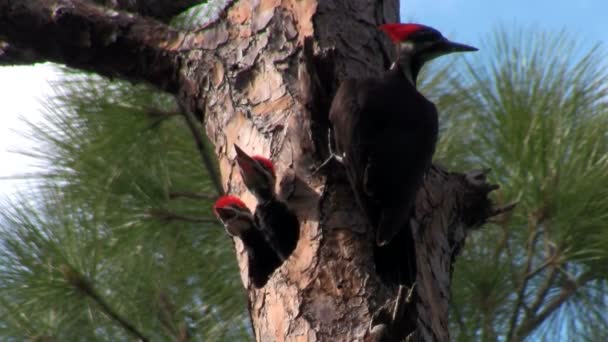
398,160
350,101
262,260
344,113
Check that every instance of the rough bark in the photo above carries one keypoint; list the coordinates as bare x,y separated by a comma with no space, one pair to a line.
160,9
262,78
12,55
83,35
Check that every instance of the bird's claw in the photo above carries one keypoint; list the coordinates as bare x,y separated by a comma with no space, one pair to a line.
332,155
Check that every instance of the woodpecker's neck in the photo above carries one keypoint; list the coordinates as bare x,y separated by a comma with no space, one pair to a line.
264,195
407,62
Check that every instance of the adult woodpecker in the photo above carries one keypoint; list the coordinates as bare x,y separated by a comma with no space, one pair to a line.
279,224
385,131
238,222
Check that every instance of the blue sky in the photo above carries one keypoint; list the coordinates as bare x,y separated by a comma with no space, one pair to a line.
22,88
470,20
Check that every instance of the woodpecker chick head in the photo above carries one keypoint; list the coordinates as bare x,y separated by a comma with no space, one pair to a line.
234,214
419,44
258,174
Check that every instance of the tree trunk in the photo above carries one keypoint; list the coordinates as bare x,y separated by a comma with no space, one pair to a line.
262,77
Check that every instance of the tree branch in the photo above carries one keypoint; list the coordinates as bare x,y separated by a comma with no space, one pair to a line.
459,318
12,55
543,290
521,291
89,37
190,195
167,216
565,294
197,134
80,283
546,285
166,316
541,268
162,10
448,207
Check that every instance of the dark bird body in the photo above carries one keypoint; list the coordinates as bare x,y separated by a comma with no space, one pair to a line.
262,260
239,222
387,132
275,220
280,225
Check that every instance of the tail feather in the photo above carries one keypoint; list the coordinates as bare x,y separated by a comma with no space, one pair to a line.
392,221
396,260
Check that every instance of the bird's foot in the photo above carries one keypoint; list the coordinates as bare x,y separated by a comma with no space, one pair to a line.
332,157
390,322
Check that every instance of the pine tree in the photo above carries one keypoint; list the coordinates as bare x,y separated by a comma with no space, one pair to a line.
535,111
117,237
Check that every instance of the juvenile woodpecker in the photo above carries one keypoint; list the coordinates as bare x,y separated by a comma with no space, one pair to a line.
238,222
277,222
385,131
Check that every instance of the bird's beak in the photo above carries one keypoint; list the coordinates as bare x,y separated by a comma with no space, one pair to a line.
230,213
250,170
240,154
246,163
450,46
225,214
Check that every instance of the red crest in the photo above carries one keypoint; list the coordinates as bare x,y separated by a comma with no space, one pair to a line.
265,162
227,201
400,32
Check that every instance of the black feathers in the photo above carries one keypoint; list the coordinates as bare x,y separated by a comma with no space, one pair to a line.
279,225
386,132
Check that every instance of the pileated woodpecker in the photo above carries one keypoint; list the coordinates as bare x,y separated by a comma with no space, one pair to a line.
238,221
385,131
279,225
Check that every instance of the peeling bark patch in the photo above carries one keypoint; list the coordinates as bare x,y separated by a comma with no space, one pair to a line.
303,10
273,107
290,30
265,85
262,14
218,74
276,317
251,51
303,261
323,308
175,43
282,308
245,33
214,37
240,12
225,164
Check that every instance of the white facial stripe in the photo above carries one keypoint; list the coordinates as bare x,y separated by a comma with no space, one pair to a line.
407,46
405,63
